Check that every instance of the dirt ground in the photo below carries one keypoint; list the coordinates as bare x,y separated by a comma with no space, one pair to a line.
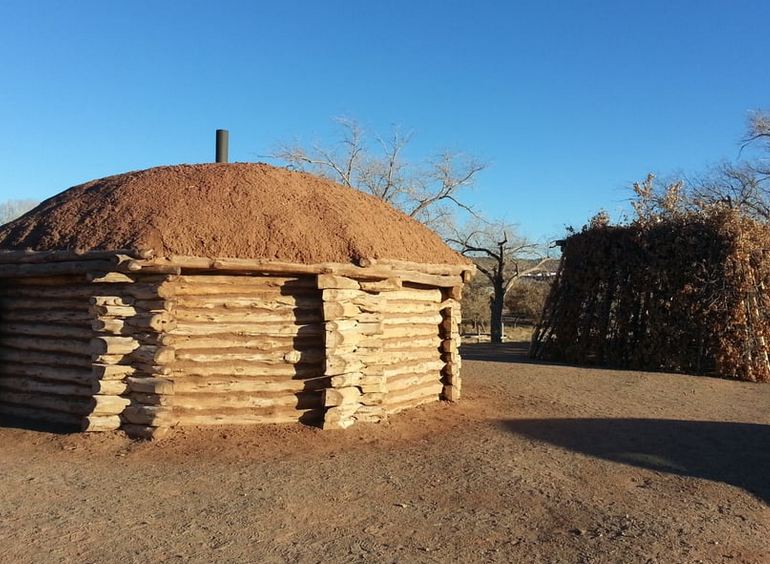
538,463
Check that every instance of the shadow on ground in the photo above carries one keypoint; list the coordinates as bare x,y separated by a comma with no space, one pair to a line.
503,352
733,453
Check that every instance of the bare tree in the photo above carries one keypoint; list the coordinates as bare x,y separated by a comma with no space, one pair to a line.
428,192
11,209
503,257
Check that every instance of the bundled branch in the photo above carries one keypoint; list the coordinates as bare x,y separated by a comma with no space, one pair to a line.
685,292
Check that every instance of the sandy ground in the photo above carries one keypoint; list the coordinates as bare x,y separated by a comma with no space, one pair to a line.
538,463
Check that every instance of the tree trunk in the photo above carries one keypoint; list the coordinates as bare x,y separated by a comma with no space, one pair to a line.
496,311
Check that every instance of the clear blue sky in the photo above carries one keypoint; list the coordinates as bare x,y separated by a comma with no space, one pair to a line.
569,102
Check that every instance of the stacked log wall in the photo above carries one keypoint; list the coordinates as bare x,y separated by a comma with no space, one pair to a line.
69,346
45,349
384,342
248,349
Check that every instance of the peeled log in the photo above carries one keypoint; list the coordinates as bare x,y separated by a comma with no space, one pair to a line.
47,316
82,376
109,387
388,285
225,342
150,385
337,282
341,396
48,359
100,423
106,405
111,372
53,268
252,329
26,384
272,301
295,371
249,316
46,330
11,304
65,404
311,356
113,345
45,344
40,414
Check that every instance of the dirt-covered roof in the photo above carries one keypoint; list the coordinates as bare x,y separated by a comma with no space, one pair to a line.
242,210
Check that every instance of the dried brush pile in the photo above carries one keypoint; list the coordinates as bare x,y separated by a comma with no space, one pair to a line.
689,292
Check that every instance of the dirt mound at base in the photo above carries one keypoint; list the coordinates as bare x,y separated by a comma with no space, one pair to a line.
238,210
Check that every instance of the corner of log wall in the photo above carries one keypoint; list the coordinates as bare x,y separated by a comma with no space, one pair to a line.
131,354
356,364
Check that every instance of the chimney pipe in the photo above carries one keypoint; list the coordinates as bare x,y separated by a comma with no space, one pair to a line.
222,145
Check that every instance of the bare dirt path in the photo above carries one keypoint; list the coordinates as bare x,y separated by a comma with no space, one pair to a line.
538,463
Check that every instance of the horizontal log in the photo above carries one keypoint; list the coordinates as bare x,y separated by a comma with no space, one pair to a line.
148,415
455,293
284,343
397,407
376,286
111,301
234,400
431,389
47,316
406,319
408,381
273,301
406,367
138,323
32,385
346,380
248,316
28,256
64,404
250,281
111,372
45,330
43,358
80,291
108,405
338,364
110,278
81,376
54,268
353,325
9,303
424,268
326,281
109,387
246,329
219,385
262,266
146,354
100,423
67,420
311,356
150,385
294,371
341,396
430,280
113,311
394,333
164,416
113,345
47,344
